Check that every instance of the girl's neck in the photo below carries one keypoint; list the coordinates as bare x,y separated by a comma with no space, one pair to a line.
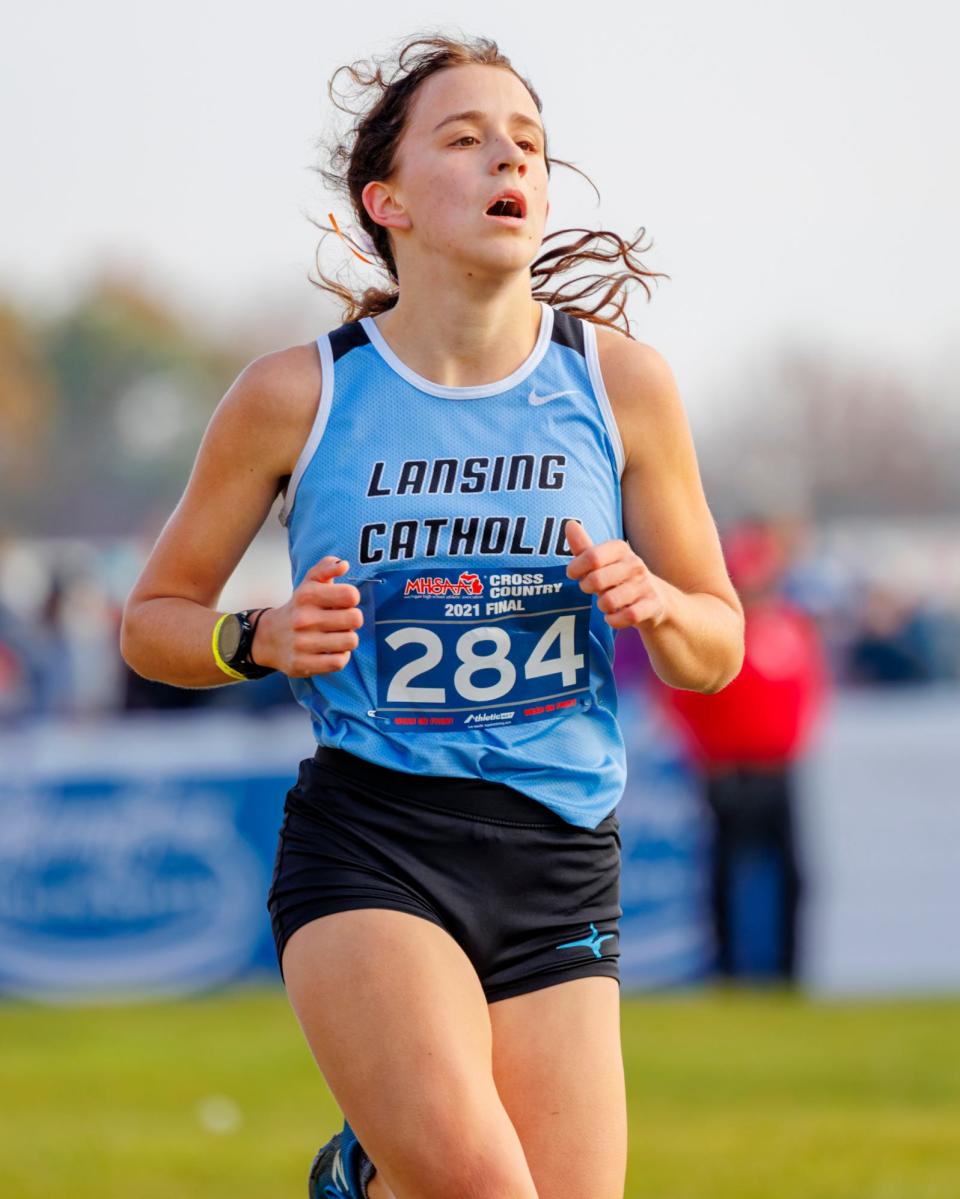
463,343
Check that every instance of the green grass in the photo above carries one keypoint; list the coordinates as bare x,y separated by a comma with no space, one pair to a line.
733,1095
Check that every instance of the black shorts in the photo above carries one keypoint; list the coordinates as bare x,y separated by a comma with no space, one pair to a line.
530,898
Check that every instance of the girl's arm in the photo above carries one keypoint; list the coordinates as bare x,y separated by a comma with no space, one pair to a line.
247,451
696,640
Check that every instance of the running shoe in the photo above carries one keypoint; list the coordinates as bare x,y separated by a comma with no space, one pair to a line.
341,1169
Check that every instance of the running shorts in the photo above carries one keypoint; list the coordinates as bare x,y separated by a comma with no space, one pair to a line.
530,898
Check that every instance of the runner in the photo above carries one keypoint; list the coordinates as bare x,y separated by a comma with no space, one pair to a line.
484,481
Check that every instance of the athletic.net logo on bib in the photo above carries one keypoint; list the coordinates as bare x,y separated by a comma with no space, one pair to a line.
479,648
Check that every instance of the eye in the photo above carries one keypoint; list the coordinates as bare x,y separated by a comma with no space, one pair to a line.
470,137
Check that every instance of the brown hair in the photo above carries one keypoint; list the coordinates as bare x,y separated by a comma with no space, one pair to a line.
369,152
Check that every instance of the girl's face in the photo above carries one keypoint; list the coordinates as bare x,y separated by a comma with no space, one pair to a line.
472,131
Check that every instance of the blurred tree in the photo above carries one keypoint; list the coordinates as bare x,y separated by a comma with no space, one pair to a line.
810,432
134,389
27,410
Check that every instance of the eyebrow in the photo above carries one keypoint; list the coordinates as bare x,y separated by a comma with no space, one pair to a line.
474,114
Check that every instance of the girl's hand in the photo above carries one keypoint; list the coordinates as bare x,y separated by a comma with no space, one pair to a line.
627,593
313,632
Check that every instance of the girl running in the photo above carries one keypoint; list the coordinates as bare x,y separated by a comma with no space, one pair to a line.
484,480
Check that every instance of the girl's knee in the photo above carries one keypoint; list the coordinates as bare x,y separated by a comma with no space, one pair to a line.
457,1155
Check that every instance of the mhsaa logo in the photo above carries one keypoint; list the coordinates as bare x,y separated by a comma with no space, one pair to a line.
429,585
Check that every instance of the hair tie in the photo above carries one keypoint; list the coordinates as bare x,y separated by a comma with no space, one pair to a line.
366,242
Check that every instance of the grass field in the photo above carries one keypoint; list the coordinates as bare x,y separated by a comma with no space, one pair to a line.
733,1095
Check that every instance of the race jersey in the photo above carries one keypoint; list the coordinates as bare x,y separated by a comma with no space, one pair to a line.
478,657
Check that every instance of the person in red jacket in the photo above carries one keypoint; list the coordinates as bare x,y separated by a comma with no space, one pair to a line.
744,742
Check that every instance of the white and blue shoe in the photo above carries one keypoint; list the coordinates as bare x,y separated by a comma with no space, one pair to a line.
341,1169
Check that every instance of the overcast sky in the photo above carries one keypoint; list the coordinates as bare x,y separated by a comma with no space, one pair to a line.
797,166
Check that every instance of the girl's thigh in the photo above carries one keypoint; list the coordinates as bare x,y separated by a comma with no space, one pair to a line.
396,1019
558,1068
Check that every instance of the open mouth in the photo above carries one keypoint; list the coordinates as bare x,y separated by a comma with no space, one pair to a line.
507,210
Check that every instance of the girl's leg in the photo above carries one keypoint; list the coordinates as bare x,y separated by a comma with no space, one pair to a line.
397,1021
558,1067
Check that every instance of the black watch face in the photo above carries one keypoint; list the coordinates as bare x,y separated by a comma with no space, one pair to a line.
229,640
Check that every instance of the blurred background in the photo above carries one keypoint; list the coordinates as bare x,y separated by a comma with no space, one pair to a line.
790,943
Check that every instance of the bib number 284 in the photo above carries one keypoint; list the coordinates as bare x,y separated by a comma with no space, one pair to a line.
484,648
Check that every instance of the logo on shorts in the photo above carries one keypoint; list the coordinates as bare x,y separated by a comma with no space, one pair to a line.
468,583
339,1173
594,941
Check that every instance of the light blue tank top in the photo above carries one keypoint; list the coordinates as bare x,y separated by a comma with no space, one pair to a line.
478,657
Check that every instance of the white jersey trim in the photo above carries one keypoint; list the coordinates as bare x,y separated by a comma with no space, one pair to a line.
596,378
526,367
319,425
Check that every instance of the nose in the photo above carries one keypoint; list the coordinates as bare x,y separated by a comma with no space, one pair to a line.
511,155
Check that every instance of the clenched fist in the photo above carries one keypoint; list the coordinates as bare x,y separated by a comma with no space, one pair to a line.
628,594
314,631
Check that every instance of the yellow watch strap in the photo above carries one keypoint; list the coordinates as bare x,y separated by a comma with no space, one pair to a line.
234,674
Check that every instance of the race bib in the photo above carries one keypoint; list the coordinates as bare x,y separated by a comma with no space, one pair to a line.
462,649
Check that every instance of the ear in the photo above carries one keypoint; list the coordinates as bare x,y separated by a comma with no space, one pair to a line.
381,206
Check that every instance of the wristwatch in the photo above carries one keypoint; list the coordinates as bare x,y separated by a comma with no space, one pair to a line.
233,640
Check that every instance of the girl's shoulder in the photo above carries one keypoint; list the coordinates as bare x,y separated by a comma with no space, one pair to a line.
283,392
638,382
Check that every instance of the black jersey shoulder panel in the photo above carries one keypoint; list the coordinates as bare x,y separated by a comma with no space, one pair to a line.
568,331
347,338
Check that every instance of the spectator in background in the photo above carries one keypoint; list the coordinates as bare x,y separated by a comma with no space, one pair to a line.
28,685
57,689
744,741
896,642
12,682
631,664
818,580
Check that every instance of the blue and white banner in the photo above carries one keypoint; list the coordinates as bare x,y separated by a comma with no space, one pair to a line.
136,856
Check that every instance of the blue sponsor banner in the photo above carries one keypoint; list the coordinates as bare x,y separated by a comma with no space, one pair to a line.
666,934
153,885
136,856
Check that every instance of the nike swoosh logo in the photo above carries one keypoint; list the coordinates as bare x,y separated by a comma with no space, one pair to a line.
535,399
